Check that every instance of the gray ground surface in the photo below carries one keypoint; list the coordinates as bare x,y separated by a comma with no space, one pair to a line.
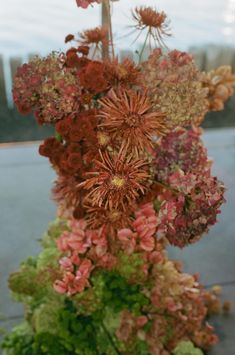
26,180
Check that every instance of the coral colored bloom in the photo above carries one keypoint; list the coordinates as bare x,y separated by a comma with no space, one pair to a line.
127,239
66,264
60,286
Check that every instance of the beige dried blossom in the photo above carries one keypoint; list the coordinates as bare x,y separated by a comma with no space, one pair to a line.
176,88
220,84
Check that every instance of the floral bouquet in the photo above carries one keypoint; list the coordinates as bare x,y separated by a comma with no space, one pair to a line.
133,177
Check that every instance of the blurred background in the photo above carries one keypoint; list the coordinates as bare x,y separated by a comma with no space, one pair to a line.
206,28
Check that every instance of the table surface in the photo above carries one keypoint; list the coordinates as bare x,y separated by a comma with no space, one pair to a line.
26,209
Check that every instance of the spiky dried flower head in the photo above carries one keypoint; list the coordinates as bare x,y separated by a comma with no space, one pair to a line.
113,219
220,83
68,196
128,118
156,23
97,35
118,181
176,89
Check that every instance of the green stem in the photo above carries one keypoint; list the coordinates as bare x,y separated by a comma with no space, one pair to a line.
143,48
110,338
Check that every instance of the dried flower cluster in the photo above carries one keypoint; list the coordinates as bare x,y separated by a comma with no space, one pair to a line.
220,84
133,176
85,251
175,86
122,295
184,303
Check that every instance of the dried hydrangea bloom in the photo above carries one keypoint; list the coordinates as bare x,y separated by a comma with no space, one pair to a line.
177,307
29,79
155,23
128,118
180,149
188,207
220,83
118,181
175,87
44,85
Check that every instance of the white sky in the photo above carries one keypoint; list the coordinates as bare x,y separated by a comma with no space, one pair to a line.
39,26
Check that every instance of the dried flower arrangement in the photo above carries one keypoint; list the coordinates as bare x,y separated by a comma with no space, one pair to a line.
133,177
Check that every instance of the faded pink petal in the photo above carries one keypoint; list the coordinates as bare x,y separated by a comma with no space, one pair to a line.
60,286
66,263
141,321
147,243
125,234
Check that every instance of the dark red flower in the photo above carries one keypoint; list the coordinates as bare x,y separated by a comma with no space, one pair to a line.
69,38
92,77
74,148
47,147
74,160
23,108
83,50
63,126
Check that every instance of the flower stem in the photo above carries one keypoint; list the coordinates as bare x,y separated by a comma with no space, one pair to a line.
110,338
143,48
107,22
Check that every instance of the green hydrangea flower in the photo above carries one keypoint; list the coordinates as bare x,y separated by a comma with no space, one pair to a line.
187,348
